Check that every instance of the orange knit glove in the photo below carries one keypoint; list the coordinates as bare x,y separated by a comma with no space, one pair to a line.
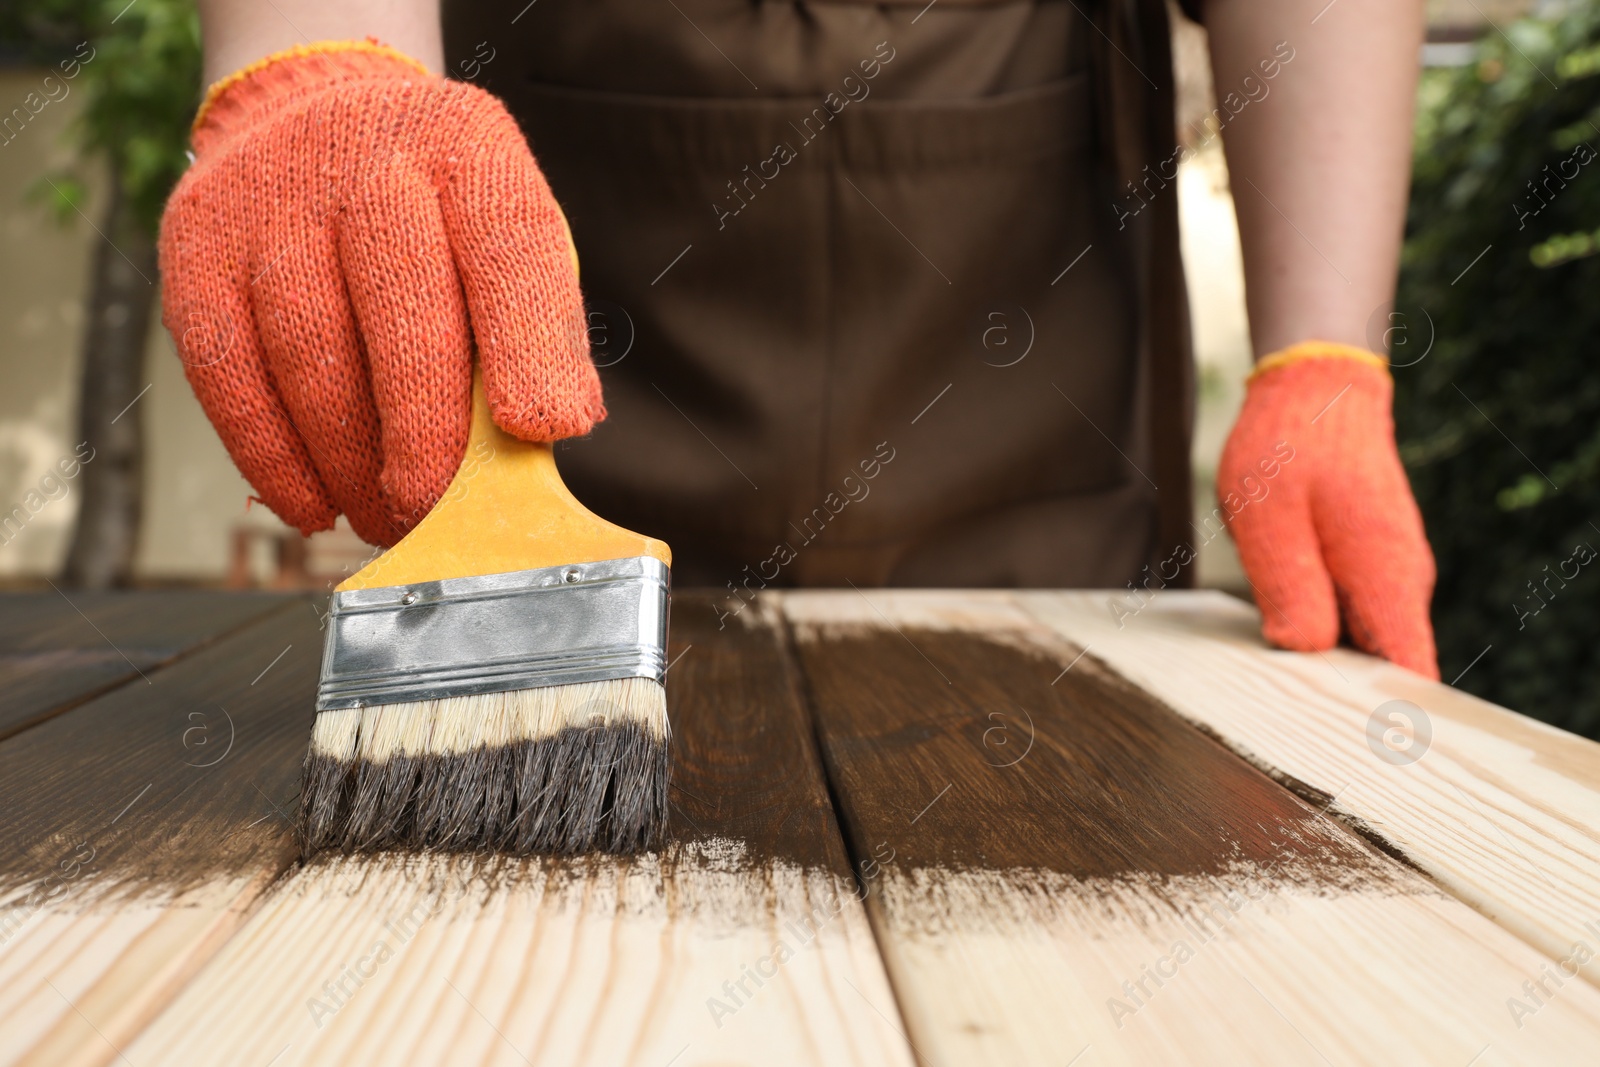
1321,510
350,227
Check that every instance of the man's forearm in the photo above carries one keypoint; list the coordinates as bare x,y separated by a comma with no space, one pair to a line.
1320,166
238,32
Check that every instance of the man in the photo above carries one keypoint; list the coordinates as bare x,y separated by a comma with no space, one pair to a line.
883,294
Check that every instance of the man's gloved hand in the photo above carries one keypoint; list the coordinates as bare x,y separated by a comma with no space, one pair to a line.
351,226
1321,509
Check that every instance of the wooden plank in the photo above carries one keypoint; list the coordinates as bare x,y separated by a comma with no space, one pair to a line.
1080,873
139,829
1502,810
59,649
743,943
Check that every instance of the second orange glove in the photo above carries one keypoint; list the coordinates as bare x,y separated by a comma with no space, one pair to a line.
1321,510
351,226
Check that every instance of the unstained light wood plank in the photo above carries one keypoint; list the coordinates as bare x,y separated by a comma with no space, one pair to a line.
743,943
1501,809
140,828
1081,876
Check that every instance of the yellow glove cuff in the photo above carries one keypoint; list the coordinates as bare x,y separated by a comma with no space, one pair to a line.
1316,350
299,51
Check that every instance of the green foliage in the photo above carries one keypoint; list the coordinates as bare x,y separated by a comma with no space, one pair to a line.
141,78
1500,424
62,195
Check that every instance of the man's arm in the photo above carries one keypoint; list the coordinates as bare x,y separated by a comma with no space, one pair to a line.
236,33
1320,167
1327,529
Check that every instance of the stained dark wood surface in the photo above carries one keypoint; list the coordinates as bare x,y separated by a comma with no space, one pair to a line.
60,648
745,764
126,777
962,752
166,784
959,750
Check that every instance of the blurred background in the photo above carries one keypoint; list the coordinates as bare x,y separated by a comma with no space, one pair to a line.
1493,334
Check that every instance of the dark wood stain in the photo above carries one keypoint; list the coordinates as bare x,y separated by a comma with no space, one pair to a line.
1321,800
745,764
745,772
1113,784
56,653
166,785
79,815
117,793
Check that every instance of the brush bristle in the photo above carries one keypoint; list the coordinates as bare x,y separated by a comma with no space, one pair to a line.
564,769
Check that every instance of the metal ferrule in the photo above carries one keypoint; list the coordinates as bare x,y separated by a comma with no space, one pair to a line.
584,622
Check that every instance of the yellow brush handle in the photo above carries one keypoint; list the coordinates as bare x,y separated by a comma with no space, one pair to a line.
506,510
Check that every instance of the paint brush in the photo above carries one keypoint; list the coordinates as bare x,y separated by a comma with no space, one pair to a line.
494,680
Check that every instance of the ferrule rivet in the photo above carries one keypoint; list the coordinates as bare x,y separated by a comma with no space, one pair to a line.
409,599
572,575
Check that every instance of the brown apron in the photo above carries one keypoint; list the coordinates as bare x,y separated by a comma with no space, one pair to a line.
867,304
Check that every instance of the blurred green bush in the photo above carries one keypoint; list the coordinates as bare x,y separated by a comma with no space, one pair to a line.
1499,423
142,85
